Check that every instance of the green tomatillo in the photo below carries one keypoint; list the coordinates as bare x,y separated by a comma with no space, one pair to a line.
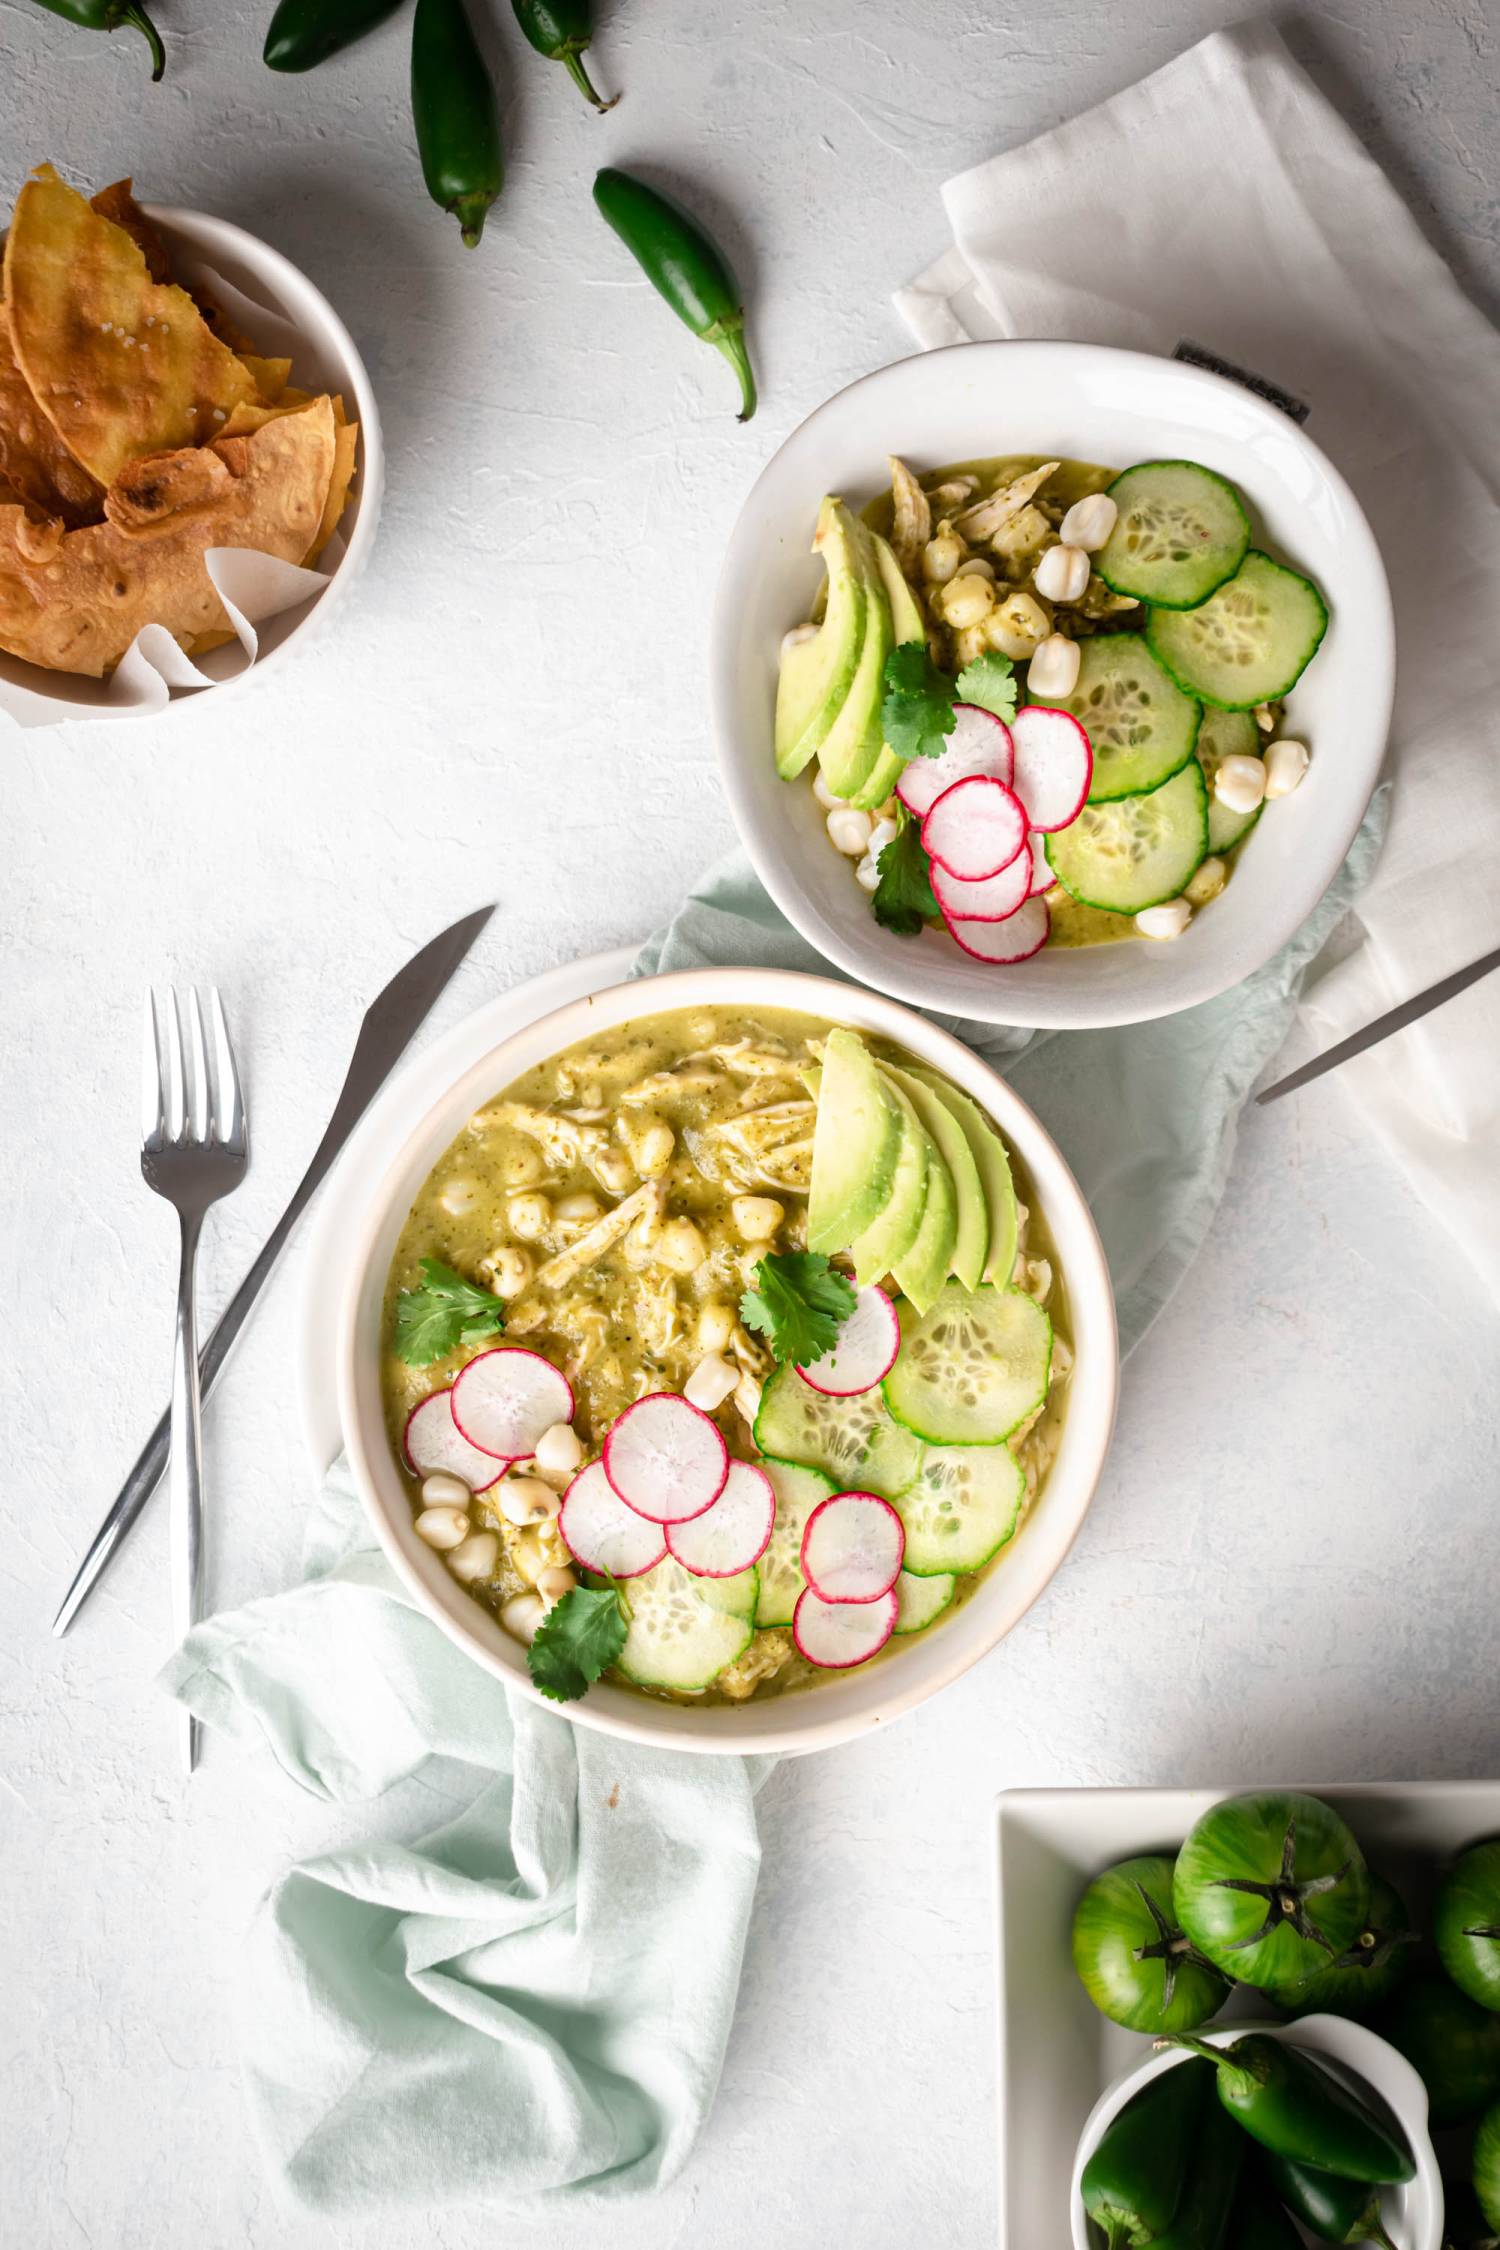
1133,1960
1270,1887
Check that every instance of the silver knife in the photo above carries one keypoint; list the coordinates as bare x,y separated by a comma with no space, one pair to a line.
1394,1019
389,1023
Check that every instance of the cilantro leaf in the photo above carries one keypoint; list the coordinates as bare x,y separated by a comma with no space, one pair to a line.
442,1313
917,714
798,1304
990,681
579,1637
903,899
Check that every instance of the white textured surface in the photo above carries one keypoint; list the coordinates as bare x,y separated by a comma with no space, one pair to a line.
1284,1569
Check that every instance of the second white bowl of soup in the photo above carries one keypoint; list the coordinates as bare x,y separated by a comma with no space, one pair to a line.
729,1360
1116,618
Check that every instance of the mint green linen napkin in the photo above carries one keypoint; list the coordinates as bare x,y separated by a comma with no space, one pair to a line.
1144,1113
532,2000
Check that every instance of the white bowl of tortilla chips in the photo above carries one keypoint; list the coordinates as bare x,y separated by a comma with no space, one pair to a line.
190,465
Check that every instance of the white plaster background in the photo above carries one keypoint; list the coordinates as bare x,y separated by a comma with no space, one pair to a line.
1289,1567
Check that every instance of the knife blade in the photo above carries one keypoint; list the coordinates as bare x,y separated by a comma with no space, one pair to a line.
1395,1019
389,1022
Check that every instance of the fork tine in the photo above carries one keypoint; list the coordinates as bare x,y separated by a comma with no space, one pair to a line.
175,1102
153,1120
200,1091
232,1132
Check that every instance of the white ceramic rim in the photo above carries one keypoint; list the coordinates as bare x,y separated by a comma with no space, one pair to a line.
1351,2047
839,1709
1287,904
211,238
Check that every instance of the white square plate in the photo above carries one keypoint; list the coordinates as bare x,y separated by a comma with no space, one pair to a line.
1057,2053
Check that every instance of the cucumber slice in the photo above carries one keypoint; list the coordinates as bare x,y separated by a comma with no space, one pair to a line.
1226,734
1138,852
963,1507
1181,532
798,1491
973,1368
684,1630
1249,643
921,1601
852,1440
1141,725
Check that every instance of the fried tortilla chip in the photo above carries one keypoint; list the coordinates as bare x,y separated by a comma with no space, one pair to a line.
270,376
117,203
121,365
345,446
75,600
33,459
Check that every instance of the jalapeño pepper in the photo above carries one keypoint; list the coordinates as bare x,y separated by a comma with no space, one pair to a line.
1288,2103
454,110
108,15
683,266
1334,2209
1258,2221
304,33
1202,2221
1133,2182
560,30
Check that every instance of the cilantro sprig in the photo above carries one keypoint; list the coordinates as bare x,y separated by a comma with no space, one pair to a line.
798,1304
917,713
902,900
443,1312
990,681
580,1637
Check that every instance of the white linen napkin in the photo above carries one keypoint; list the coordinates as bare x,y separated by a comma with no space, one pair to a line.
1222,202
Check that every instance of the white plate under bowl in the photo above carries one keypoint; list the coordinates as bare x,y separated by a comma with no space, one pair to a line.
847,1704
324,358
1057,2053
1091,403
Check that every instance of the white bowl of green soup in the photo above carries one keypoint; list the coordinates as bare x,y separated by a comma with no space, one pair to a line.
728,1360
1050,682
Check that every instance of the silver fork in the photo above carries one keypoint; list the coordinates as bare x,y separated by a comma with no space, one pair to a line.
194,1149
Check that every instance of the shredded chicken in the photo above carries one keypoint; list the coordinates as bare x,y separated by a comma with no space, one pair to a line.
602,1236
766,1654
911,523
985,519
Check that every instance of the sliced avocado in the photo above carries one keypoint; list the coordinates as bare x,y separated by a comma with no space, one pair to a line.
850,750
923,1272
891,1234
993,1165
907,624
973,1237
816,673
855,1144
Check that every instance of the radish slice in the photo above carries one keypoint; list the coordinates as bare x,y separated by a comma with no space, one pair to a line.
1015,939
666,1459
852,1547
980,743
993,900
505,1399
1042,877
975,828
602,1533
1054,765
866,1349
734,1533
432,1440
835,1635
